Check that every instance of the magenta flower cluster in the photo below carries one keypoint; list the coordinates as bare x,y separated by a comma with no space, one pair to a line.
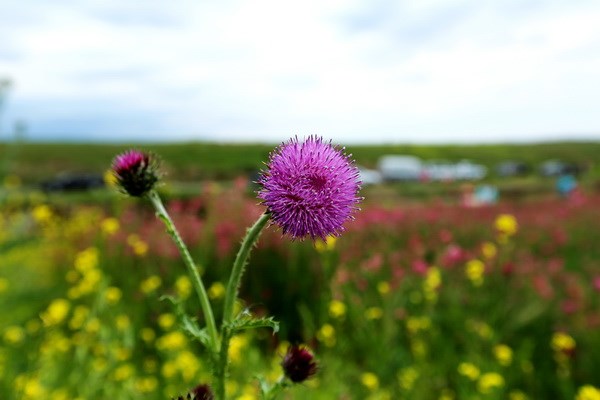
136,172
310,188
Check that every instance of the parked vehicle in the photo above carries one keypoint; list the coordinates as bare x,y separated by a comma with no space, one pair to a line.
468,171
553,168
369,176
512,168
73,182
400,168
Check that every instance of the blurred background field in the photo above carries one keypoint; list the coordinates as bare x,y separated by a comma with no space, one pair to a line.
426,296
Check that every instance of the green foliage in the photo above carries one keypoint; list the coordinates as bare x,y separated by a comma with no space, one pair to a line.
414,301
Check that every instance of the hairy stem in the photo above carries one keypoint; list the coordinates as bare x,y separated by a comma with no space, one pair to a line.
191,267
231,295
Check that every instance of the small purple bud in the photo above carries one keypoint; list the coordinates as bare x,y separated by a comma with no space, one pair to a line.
136,172
310,188
200,392
299,364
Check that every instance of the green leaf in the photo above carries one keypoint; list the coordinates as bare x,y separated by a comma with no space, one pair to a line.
245,320
188,324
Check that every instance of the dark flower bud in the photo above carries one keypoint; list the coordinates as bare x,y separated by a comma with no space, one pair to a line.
200,392
299,364
136,172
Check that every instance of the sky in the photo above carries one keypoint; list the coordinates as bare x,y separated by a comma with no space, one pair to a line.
356,71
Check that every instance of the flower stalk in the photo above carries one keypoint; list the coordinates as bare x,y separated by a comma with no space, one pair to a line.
162,213
231,295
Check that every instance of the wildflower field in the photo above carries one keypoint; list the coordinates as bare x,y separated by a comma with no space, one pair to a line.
416,300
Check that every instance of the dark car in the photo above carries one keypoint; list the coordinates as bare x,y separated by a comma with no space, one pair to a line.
73,182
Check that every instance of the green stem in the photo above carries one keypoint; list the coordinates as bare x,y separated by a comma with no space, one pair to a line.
273,392
191,267
231,295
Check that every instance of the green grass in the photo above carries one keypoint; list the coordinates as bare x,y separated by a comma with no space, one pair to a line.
35,162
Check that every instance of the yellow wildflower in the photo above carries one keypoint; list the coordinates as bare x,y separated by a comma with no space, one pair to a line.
87,260
14,334
140,248
93,325
432,282
469,370
183,286
236,346
337,309
588,392
489,381
147,334
109,178
563,342
370,381
474,271
123,354
407,377
56,312
416,324
372,313
123,372
80,314
503,354
383,288
42,214
109,226
506,224
326,335
150,284
489,250
188,364
216,291
123,322
166,321
517,395
327,245
147,384
169,369
171,341
113,295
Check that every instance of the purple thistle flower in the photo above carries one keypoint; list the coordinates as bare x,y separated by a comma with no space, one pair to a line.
136,172
310,188
299,364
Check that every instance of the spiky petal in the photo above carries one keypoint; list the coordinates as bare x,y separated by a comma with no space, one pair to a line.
136,172
310,188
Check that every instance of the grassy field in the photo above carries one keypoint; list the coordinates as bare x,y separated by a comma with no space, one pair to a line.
34,162
422,298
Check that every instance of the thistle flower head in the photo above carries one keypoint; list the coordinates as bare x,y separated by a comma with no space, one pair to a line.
136,172
310,188
298,364
200,392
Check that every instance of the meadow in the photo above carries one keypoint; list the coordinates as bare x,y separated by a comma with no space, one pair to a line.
193,161
422,298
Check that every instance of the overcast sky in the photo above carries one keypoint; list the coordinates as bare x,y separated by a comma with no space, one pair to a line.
356,71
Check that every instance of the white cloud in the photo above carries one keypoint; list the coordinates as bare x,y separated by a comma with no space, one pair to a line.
266,69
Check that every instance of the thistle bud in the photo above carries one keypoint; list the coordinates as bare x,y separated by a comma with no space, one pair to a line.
299,364
200,392
136,172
